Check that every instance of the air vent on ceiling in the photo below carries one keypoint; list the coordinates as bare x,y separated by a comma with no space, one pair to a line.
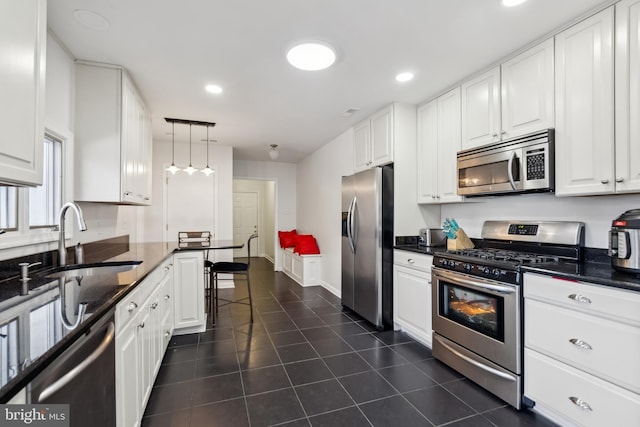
349,111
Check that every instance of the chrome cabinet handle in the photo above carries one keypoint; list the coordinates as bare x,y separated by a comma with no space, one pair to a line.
166,297
620,179
64,380
410,261
167,334
154,305
580,403
579,298
132,306
580,343
604,181
494,135
141,325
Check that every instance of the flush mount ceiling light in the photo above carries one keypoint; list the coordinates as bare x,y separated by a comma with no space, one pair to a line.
273,151
311,56
404,77
91,19
173,168
510,3
213,89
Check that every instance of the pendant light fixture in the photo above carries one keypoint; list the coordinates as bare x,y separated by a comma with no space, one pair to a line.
189,169
207,170
173,168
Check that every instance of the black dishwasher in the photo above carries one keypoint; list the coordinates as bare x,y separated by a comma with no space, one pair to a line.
83,377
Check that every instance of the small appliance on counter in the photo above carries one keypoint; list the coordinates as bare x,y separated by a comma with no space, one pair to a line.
431,237
624,242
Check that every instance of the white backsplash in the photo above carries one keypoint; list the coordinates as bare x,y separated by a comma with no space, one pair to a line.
596,212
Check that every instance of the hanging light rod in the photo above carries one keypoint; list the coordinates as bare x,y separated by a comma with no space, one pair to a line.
189,122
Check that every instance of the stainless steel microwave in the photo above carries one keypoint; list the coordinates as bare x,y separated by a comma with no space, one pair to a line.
520,165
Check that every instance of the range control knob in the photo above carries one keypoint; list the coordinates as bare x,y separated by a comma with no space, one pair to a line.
495,272
467,267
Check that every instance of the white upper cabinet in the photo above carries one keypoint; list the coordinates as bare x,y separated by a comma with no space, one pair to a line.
585,107
23,32
481,110
374,139
527,91
113,137
627,96
511,100
438,142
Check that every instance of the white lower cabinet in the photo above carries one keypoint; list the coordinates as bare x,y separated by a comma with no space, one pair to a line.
142,321
412,295
189,308
581,347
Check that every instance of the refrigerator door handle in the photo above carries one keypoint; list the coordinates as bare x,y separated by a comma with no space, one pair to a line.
353,225
350,226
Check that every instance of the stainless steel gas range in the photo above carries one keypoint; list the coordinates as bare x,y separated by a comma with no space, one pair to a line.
477,299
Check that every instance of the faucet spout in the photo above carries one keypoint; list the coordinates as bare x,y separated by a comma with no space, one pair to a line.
62,251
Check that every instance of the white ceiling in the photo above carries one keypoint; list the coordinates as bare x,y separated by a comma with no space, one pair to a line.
172,49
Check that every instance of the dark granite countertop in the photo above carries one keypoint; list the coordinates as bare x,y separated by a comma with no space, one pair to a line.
427,250
100,292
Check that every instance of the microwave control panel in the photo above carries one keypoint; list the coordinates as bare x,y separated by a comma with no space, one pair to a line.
536,164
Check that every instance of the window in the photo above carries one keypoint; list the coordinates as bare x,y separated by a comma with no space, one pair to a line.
8,208
45,200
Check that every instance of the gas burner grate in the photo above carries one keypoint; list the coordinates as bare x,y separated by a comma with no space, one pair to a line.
505,256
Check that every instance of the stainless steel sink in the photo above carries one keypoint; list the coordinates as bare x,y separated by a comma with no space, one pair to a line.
94,269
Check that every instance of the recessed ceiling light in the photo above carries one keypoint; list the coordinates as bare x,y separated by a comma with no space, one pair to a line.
404,77
213,89
91,19
510,3
311,56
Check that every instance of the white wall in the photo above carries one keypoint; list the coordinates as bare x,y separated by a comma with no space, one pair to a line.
596,212
284,175
320,202
220,159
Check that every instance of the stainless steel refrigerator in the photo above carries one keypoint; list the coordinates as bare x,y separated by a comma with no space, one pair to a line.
367,245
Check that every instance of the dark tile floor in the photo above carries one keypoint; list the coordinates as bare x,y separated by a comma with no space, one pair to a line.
305,361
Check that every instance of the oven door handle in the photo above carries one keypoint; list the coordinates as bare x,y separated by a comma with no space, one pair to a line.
510,170
475,362
481,286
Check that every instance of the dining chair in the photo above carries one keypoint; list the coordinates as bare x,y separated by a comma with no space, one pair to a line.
236,269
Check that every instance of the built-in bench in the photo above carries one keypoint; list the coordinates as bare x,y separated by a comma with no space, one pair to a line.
304,269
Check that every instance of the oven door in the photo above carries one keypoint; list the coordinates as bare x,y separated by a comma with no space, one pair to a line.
479,314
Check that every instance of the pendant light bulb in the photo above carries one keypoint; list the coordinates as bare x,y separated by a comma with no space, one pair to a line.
173,168
189,169
207,170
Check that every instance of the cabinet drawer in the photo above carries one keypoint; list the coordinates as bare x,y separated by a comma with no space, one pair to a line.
614,346
590,298
413,260
553,385
128,308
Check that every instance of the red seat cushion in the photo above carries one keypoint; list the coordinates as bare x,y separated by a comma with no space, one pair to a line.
287,238
306,245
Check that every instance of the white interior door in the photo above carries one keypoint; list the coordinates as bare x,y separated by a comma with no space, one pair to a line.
245,221
189,204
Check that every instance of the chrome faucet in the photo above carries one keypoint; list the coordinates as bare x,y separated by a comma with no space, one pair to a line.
62,251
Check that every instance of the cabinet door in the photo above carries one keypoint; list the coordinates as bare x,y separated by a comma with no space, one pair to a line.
412,302
189,291
481,110
361,146
23,31
382,137
449,134
427,153
166,299
127,376
627,87
145,351
584,107
527,91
